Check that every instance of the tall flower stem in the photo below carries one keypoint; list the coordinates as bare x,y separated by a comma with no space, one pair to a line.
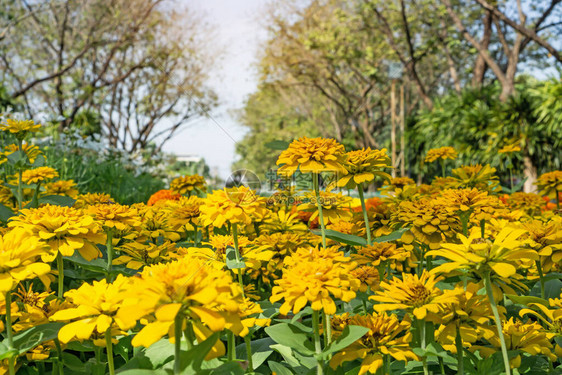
109,348
316,183
365,216
541,278
421,332
60,269
460,359
498,321
178,323
443,167
109,249
248,342
238,258
189,334
327,328
317,342
9,333
231,346
20,173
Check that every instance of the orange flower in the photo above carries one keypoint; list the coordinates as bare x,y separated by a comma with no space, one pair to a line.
161,196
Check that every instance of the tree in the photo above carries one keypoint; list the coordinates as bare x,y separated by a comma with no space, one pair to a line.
64,57
514,36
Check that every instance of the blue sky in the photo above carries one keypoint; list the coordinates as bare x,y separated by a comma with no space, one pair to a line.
238,33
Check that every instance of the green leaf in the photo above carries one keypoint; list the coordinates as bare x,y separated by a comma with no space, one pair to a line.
231,262
30,338
278,368
95,265
160,353
191,360
525,300
144,372
396,235
40,161
292,336
277,145
18,159
57,200
260,351
5,213
349,335
348,239
228,368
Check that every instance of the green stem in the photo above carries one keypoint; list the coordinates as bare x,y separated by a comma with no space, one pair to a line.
234,228
421,332
35,198
109,348
488,284
541,277
248,342
178,323
231,346
9,333
443,167
316,184
460,360
20,182
441,365
327,327
60,269
557,199
317,343
365,216
60,359
109,249
511,178
189,334
196,235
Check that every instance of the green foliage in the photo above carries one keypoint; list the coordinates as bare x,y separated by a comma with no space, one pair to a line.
477,124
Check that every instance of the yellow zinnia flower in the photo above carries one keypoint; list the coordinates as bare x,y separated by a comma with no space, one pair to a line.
335,207
207,297
363,165
312,155
62,187
184,213
40,174
63,229
317,279
530,203
442,153
470,314
114,216
479,255
155,223
477,176
88,199
30,150
20,256
386,336
508,149
237,205
550,184
188,184
20,127
416,295
95,311
527,337
138,255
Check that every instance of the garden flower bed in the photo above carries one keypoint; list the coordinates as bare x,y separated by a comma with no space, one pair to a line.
454,277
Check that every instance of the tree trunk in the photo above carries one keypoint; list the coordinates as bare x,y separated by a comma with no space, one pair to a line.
480,65
530,173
